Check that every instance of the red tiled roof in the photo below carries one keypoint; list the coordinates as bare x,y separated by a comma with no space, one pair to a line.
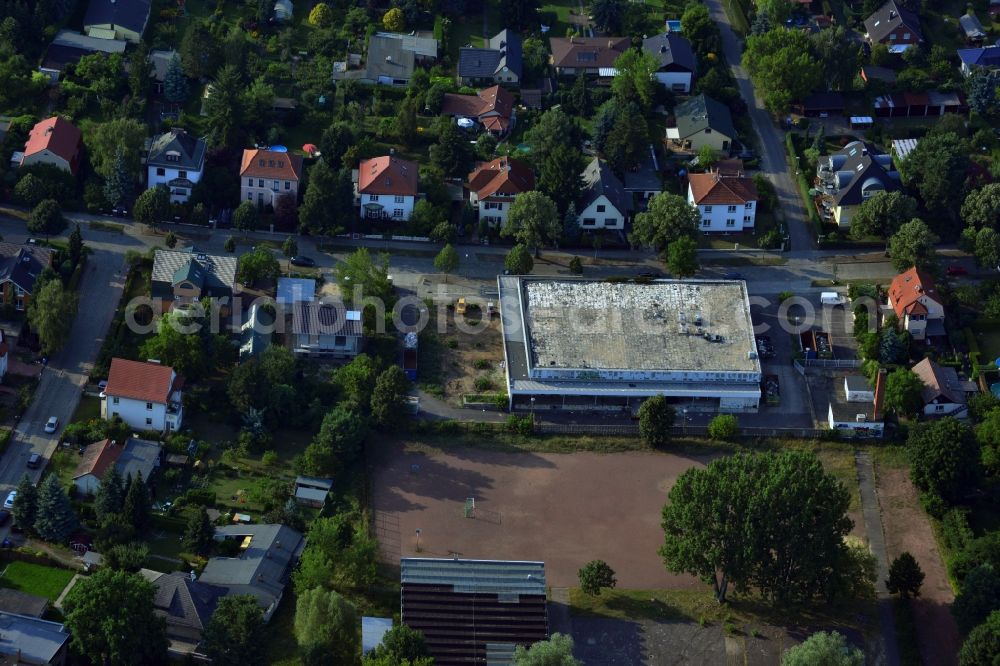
713,188
587,52
503,175
98,458
387,175
908,288
261,163
137,380
58,136
495,99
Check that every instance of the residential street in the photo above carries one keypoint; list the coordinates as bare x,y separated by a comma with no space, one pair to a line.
772,142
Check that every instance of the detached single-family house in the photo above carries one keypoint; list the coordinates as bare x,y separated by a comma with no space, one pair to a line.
325,330
642,179
494,185
266,175
915,300
133,458
264,559
987,57
678,64
311,491
604,203
854,174
181,278
292,290
391,59
68,47
387,188
186,604
117,19
725,203
590,55
944,393
176,160
146,395
971,28
54,141
499,61
493,108
895,26
20,266
702,121
856,408
30,640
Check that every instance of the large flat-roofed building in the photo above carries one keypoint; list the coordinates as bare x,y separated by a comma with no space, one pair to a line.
582,344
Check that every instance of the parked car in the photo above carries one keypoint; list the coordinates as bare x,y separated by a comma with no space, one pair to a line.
300,260
460,307
34,460
51,425
9,502
955,270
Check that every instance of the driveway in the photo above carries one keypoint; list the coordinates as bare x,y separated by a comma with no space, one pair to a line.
772,141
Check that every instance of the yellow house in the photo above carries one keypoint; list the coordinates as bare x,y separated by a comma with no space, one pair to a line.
702,121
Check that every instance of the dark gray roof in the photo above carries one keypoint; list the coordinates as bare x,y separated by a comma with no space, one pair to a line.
263,568
669,49
130,14
311,318
57,56
21,264
823,101
598,179
387,57
219,271
644,176
139,456
502,50
32,640
177,149
184,602
971,26
701,112
860,169
887,18
21,603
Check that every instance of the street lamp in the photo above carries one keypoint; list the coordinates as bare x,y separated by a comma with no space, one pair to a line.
418,539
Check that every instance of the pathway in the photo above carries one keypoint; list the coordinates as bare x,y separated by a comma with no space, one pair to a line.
772,141
872,513
559,617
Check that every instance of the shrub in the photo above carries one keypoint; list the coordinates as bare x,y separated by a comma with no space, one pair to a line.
200,497
482,364
521,425
483,384
723,426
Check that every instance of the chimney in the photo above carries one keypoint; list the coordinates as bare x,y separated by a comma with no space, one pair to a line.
879,395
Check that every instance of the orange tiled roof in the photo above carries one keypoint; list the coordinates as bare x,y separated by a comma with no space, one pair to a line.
503,175
387,175
262,163
56,135
98,458
137,380
713,188
906,290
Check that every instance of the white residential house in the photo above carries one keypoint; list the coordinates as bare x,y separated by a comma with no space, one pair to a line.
176,160
146,395
387,188
725,203
494,185
604,203
855,408
944,393
325,330
917,305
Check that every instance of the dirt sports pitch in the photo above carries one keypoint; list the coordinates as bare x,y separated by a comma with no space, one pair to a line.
564,509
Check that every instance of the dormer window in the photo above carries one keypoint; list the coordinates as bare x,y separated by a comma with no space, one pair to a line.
261,162
281,164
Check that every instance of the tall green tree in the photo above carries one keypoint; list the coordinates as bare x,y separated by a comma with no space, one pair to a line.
554,128
46,219
446,261
111,618
325,627
521,14
828,649
838,55
944,457
175,84
682,257
913,245
110,496
451,154
580,99
905,576
259,266
628,141
560,176
782,66
401,642
224,107
981,207
739,522
200,51
25,507
55,519
595,576
106,140
987,247
635,82
982,645
245,216
365,272
518,261
533,220
389,398
557,651
152,206
327,205
700,29
608,15
883,215
136,505
199,534
667,218
235,635
51,313
903,390
988,436
340,440
118,186
937,168
656,419
75,245
978,596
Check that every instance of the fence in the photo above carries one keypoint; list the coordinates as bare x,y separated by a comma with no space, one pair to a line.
632,429
830,362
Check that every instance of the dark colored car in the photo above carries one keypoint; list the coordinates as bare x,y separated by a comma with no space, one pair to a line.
955,270
300,260
34,460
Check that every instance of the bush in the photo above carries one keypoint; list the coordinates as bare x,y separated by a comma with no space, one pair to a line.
482,364
200,497
483,384
521,425
723,426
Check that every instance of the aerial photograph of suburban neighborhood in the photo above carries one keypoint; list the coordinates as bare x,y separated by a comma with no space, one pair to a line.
500,332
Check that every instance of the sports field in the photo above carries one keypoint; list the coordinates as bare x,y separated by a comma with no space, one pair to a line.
564,509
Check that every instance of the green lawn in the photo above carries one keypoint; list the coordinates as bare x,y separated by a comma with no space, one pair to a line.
988,337
88,409
48,582
748,240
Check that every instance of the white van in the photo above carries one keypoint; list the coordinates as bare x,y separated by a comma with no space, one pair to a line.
831,298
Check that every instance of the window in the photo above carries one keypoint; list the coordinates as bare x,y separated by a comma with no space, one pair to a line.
589,221
274,187
600,209
149,421
181,192
288,185
149,405
260,198
249,196
262,163
938,408
706,223
748,205
19,303
260,182
397,212
731,209
730,222
340,340
708,130
249,182
892,37
708,209
611,221
747,218
372,197
270,163
281,164
398,199
160,171
906,35
182,174
114,401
